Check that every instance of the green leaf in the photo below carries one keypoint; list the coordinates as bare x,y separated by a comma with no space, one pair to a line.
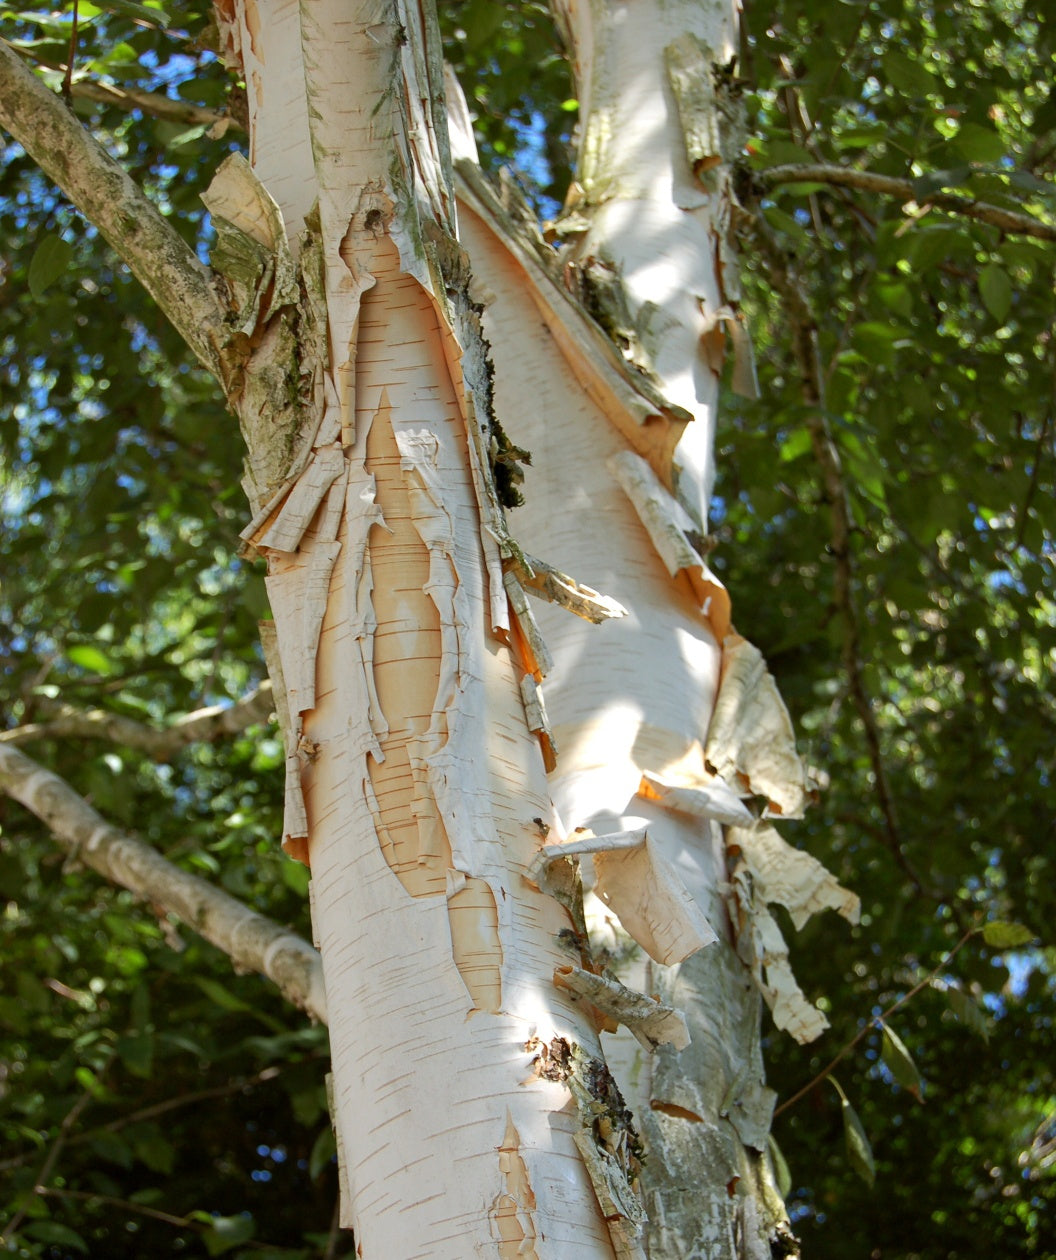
324,1148
1004,935
136,1052
784,153
861,137
151,1148
897,298
90,658
112,1148
308,1105
979,144
296,876
968,1011
50,260
140,1007
935,181
995,288
782,1176
138,12
797,443
907,74
56,1234
223,998
859,1151
899,1062
225,1232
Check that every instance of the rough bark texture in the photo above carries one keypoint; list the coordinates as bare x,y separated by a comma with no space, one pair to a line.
466,1084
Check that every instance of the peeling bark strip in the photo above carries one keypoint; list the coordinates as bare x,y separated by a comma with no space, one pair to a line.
646,243
408,660
651,1023
670,529
750,741
606,1137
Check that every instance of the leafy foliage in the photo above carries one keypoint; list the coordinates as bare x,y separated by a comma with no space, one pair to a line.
137,1075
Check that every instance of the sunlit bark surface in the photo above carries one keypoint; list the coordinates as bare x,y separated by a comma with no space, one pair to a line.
637,695
474,1113
415,787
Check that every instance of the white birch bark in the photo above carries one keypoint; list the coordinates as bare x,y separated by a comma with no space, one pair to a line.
474,1113
466,1083
631,706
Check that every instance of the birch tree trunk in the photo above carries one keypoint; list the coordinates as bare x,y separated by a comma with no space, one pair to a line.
474,1110
647,250
465,1085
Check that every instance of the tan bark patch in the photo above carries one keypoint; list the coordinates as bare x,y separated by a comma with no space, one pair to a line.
513,1210
406,671
475,943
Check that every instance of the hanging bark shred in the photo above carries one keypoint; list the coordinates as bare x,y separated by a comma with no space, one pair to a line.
606,1137
670,526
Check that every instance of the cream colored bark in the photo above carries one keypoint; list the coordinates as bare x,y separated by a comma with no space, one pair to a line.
466,1082
475,1114
664,720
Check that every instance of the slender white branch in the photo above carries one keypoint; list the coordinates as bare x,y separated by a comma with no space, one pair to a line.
885,185
158,256
65,721
252,941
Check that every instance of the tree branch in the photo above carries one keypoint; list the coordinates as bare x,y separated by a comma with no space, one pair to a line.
161,744
123,1205
877,1021
846,177
154,103
158,256
252,941
130,99
827,456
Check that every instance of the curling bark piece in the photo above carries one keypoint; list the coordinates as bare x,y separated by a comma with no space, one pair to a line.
641,887
669,527
545,582
537,659
705,798
789,877
652,1023
761,947
750,739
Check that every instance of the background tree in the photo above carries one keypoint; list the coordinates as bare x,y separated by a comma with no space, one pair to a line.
903,542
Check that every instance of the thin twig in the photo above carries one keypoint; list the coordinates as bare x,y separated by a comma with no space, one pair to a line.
827,455
67,78
50,1160
335,1231
160,743
159,1109
876,1021
1012,221
123,1205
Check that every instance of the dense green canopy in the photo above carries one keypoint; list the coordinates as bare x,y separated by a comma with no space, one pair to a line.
885,522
